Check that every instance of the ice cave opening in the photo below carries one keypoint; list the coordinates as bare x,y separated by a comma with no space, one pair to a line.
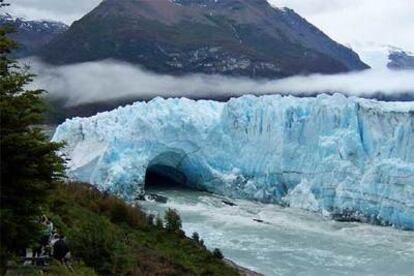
167,170
162,176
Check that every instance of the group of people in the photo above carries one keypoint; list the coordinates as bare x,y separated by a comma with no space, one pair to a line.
51,244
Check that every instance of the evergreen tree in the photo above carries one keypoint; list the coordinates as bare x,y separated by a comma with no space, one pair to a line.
159,223
217,253
172,220
29,163
196,237
150,219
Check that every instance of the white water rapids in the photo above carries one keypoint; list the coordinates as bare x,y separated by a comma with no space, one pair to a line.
289,241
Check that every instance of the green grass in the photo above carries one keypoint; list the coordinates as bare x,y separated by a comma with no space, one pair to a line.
109,237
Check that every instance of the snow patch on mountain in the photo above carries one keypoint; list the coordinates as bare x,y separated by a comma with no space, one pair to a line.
381,57
22,23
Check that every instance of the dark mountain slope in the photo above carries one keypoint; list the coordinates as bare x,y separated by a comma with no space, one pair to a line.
400,60
233,37
31,35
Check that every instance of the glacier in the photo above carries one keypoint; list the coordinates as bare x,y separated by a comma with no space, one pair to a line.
344,157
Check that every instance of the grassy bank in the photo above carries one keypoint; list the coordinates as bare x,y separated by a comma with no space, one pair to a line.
108,237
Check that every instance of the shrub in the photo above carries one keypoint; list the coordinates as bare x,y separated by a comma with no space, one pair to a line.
150,219
159,223
110,248
120,212
76,269
196,237
173,220
99,245
180,233
217,253
112,207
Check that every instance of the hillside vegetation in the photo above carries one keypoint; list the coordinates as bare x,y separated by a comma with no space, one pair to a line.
106,236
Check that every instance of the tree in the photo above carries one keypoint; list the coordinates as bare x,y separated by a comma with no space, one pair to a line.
196,237
172,220
159,223
217,253
29,163
150,219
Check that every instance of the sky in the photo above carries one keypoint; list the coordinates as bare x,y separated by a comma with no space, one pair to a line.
355,23
359,23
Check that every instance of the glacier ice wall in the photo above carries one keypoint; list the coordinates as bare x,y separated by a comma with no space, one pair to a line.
346,157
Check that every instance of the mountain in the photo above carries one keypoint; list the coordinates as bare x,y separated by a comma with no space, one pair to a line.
385,56
231,37
401,60
31,35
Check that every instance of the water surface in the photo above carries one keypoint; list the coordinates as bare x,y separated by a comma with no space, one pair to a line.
289,241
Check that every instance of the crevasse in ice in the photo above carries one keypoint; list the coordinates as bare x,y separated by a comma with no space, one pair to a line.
350,158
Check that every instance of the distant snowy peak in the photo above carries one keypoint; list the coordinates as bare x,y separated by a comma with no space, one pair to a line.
31,34
7,17
33,25
386,56
401,60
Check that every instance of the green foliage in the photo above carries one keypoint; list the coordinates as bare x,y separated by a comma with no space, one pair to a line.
75,269
119,212
95,241
159,223
115,247
29,163
217,253
172,220
150,219
195,237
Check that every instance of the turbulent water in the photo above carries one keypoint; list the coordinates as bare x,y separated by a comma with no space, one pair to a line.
289,241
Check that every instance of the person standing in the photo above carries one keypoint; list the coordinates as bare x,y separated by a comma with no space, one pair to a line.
49,225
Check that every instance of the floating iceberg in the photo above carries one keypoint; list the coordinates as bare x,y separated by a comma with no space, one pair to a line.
350,158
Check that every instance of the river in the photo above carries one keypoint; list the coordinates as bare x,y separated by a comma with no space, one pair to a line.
286,241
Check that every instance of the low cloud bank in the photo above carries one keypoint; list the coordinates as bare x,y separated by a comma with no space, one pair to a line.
112,81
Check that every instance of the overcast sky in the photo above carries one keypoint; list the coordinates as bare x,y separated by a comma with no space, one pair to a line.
350,22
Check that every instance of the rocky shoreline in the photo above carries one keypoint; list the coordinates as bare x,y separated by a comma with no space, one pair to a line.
243,271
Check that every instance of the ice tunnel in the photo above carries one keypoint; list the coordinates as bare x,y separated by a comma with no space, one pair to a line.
327,154
174,169
166,171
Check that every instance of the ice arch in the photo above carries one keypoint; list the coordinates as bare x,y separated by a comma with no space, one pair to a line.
165,170
175,168
327,154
